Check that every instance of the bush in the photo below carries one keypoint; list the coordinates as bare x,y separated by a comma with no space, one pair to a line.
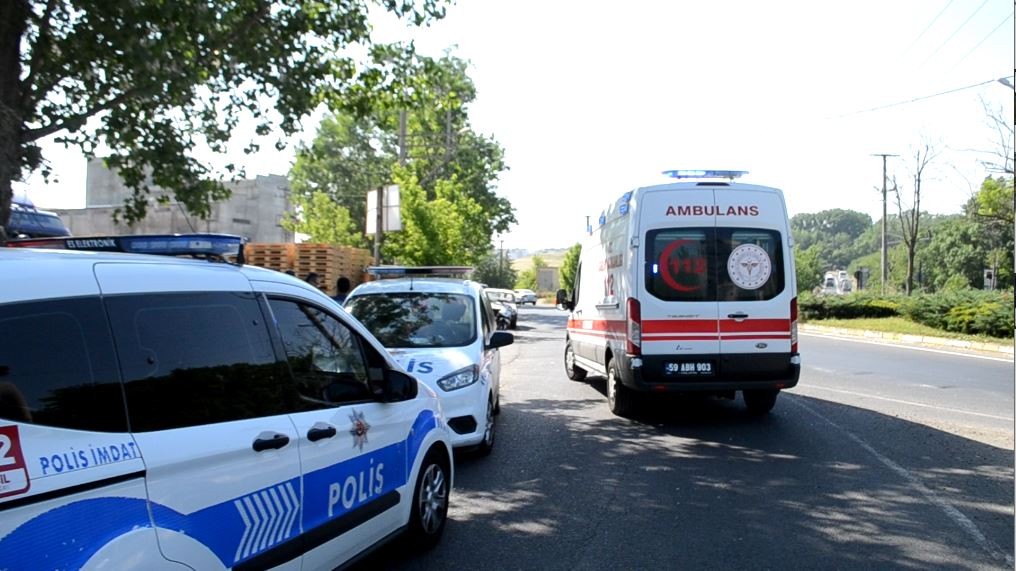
970,311
855,306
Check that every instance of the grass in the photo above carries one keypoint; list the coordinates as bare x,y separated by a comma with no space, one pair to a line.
904,327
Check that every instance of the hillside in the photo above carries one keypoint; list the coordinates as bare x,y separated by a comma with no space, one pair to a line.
553,258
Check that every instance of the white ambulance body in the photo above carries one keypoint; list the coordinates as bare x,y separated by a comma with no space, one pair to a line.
687,287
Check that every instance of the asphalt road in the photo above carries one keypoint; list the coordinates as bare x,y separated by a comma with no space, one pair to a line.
862,467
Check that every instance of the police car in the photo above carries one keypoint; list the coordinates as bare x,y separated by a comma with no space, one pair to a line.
443,330
168,413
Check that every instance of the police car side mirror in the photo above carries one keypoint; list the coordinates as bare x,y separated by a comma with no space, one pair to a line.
562,300
399,387
500,339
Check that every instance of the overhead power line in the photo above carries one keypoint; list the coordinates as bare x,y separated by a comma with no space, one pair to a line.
985,38
942,45
928,27
923,97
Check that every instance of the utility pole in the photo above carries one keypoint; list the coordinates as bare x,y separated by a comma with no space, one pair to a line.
885,241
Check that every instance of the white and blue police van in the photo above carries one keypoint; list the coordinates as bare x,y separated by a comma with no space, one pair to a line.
441,328
167,413
687,287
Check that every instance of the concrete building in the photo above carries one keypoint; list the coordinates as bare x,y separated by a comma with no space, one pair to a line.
548,279
254,209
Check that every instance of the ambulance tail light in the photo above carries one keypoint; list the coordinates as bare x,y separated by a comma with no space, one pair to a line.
793,325
634,336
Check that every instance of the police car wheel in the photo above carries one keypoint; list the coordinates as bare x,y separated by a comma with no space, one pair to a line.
760,401
487,444
430,503
573,371
620,398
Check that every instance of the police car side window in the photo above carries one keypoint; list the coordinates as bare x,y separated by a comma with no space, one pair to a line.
486,316
57,366
197,358
325,357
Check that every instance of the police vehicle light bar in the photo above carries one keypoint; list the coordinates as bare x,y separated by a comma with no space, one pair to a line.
679,174
418,271
216,245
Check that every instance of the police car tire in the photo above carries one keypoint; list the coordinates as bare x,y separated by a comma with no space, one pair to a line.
760,401
486,446
620,398
431,493
573,371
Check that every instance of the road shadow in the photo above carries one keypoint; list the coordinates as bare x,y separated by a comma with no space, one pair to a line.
700,483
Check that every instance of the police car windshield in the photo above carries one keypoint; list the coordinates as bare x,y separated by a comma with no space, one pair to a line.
417,319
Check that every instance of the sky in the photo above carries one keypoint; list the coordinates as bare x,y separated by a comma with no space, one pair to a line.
592,99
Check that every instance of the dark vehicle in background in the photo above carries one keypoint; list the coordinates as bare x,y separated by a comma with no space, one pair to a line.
504,298
27,221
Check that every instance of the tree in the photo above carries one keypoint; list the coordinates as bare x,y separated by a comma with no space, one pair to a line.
569,266
954,256
153,82
809,267
910,219
439,231
349,156
323,220
355,150
495,272
835,231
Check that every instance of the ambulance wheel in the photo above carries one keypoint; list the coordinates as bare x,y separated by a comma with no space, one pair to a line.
430,503
760,401
620,398
573,371
486,445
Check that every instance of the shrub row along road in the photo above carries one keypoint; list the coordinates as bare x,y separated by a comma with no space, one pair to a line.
884,457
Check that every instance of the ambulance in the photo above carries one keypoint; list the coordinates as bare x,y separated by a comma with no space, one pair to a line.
687,287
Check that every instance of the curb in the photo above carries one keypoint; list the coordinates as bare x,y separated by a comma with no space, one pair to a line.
910,339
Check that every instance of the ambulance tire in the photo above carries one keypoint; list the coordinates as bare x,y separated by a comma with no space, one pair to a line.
573,371
620,398
760,401
430,502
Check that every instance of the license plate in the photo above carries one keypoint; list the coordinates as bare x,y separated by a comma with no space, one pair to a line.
688,368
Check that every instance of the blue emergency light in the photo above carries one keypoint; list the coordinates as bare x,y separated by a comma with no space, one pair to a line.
419,271
207,245
679,174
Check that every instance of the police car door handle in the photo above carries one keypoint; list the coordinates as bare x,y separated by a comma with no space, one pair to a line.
738,315
273,442
320,432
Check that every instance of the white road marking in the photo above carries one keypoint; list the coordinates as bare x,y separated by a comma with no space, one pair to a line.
906,402
951,512
898,346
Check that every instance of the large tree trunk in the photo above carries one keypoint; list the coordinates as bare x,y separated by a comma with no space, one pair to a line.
13,22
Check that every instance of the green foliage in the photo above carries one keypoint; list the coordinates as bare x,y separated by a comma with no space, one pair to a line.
538,262
569,266
995,200
159,80
954,257
495,273
438,231
858,305
324,221
964,311
526,280
808,265
834,232
357,149
348,157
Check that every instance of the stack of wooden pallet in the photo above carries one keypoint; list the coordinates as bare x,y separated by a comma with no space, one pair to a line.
327,261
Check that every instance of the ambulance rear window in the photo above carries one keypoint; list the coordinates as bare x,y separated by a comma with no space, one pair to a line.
714,264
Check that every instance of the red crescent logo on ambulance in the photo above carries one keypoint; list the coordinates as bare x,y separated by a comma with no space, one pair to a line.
665,266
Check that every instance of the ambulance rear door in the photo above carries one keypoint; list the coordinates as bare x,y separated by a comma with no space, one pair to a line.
677,300
754,285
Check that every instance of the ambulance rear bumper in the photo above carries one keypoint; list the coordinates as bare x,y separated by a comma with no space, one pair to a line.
666,373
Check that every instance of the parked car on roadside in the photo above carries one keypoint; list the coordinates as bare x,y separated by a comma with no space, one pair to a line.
525,296
506,298
162,413
444,331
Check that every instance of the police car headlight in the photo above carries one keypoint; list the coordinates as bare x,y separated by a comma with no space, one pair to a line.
459,379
